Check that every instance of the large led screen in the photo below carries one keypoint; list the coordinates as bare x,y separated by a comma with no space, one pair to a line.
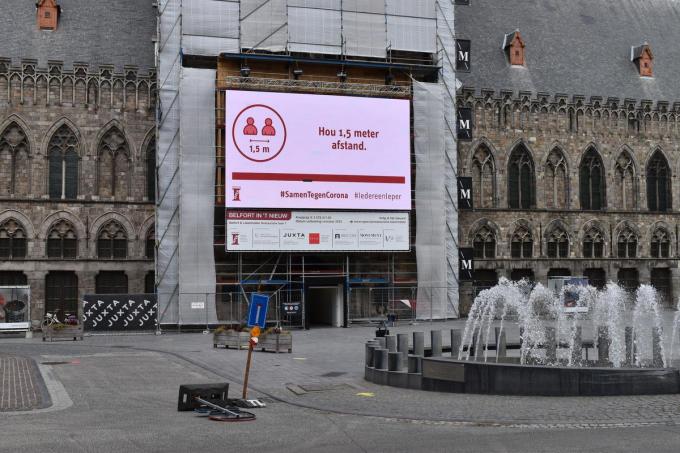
317,152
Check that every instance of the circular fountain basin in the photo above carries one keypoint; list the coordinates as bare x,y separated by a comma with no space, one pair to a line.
460,376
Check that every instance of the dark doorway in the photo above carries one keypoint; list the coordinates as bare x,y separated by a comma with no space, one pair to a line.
61,293
111,282
596,277
661,280
559,272
324,306
484,279
629,279
13,278
150,283
519,274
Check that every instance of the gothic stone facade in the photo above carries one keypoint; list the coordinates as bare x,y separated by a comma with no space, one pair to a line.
77,160
572,186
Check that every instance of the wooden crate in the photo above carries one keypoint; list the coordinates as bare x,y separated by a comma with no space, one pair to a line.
231,339
68,332
276,342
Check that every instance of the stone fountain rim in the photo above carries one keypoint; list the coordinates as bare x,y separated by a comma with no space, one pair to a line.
566,368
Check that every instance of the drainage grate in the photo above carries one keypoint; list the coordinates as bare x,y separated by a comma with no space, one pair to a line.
334,374
55,363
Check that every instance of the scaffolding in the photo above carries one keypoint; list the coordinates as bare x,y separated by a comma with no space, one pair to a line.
408,37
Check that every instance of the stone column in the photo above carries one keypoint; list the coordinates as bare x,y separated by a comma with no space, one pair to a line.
394,361
391,343
436,342
630,347
419,344
577,351
551,345
603,342
36,280
402,345
380,359
501,343
455,342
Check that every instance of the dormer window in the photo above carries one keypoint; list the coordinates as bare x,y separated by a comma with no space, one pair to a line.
47,14
643,58
513,45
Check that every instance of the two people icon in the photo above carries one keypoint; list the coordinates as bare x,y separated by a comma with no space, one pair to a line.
251,129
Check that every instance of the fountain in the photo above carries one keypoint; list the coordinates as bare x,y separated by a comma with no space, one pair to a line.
633,353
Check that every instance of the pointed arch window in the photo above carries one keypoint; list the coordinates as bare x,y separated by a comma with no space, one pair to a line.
483,178
484,243
591,183
658,183
113,165
593,244
661,244
150,245
14,161
63,164
558,244
624,180
112,241
627,243
151,170
521,193
521,244
62,241
12,240
556,182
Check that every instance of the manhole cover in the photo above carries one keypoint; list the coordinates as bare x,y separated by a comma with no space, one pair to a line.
323,387
334,374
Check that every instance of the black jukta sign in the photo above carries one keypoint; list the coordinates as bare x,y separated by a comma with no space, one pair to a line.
465,192
466,264
126,312
464,124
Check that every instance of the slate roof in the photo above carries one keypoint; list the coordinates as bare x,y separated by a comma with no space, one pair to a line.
113,32
574,47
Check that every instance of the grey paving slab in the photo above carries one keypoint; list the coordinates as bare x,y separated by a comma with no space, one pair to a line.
22,387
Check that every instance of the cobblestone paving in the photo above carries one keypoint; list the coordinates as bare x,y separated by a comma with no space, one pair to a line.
21,385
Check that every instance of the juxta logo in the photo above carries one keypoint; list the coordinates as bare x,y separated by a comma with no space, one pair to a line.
234,238
237,193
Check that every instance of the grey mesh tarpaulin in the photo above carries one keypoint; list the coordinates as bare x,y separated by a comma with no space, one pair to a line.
210,27
428,127
167,161
445,39
197,209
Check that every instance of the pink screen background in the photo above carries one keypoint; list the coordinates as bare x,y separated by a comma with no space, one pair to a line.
306,152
